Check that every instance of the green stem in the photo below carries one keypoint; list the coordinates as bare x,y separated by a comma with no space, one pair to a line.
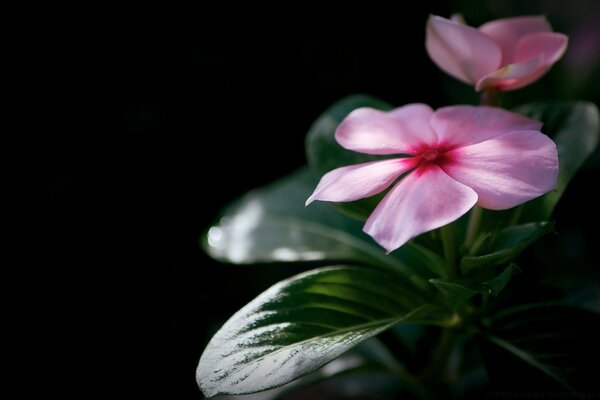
447,234
436,374
490,97
516,215
399,351
473,227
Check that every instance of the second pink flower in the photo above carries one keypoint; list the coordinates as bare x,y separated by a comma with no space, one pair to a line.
504,54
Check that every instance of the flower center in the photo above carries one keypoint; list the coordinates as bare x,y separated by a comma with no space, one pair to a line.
429,155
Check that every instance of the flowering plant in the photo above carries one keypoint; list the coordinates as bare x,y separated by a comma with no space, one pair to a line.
418,220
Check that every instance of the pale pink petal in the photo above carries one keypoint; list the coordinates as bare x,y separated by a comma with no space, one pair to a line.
399,131
507,32
534,54
359,181
466,125
548,46
507,170
424,200
460,50
416,123
512,76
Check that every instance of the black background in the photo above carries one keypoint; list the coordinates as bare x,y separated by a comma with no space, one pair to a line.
132,133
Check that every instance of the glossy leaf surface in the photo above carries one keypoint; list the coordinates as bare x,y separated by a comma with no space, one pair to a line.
302,323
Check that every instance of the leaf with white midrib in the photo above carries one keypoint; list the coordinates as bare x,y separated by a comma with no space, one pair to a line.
286,333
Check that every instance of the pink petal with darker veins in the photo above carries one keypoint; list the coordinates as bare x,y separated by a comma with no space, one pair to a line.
424,200
507,170
462,51
466,125
359,181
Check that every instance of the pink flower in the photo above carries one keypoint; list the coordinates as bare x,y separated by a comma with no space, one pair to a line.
504,54
457,156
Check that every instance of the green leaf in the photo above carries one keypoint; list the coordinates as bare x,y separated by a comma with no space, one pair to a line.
543,347
575,127
496,284
370,356
302,323
455,291
271,224
503,246
420,258
325,154
459,290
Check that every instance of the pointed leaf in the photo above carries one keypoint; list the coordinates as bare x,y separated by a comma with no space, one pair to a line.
459,290
499,282
302,323
455,291
503,246
543,347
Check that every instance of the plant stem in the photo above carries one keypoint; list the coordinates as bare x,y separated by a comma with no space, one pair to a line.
514,219
473,227
436,373
447,234
440,359
490,97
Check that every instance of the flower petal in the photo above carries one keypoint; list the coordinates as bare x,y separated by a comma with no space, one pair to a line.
534,54
506,32
513,76
466,125
416,123
424,200
399,131
460,50
548,46
359,181
507,170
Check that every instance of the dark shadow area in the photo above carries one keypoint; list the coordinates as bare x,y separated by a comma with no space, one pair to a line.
136,132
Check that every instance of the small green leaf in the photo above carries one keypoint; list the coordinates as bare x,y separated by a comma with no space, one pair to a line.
499,282
420,258
455,291
325,154
459,290
543,347
503,246
575,128
302,323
